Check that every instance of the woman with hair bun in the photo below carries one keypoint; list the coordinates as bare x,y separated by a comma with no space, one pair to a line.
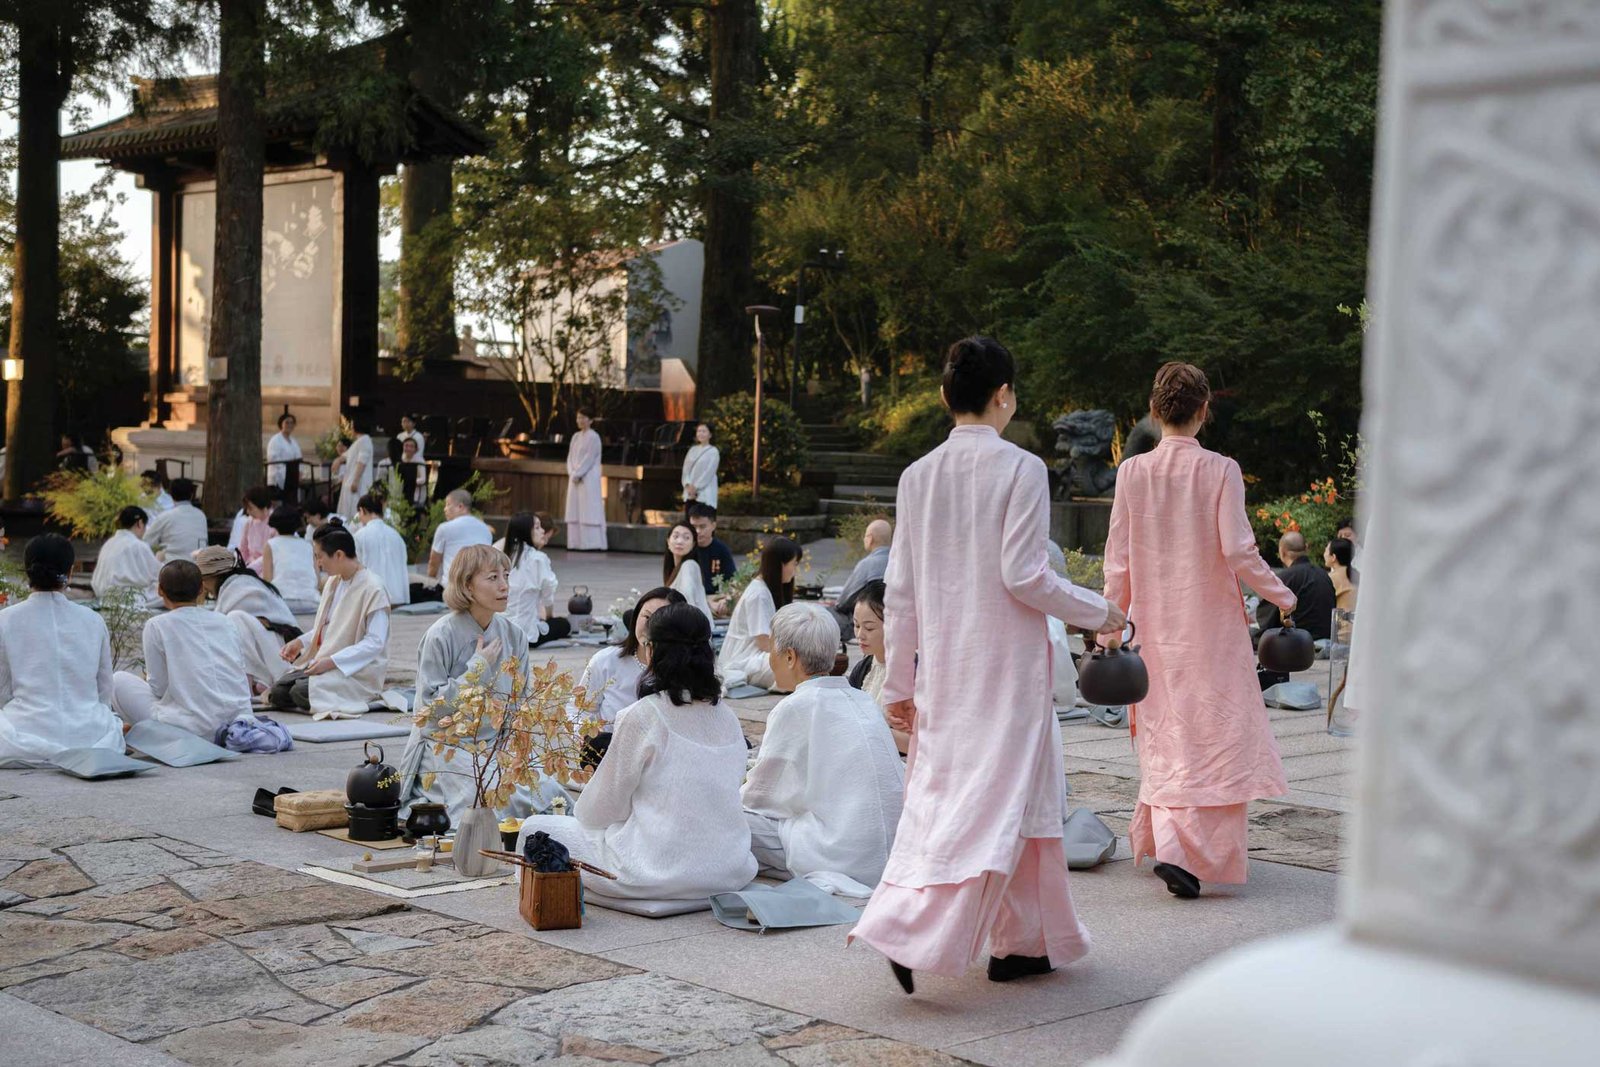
1179,545
55,667
977,856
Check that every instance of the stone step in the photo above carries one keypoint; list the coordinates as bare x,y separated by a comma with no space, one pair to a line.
836,507
865,491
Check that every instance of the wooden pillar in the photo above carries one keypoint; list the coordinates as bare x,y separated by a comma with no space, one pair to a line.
164,241
358,286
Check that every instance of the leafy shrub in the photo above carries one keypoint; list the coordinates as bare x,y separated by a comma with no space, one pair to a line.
342,432
125,613
1086,571
784,446
911,426
417,525
775,499
1314,513
853,527
88,504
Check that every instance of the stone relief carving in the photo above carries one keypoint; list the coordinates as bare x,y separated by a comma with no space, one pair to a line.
1491,844
1456,23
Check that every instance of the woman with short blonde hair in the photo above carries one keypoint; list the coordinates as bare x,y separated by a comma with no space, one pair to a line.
476,636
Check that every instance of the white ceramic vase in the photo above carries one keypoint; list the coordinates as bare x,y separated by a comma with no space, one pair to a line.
477,830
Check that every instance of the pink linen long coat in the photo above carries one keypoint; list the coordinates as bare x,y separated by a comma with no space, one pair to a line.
969,562
1178,546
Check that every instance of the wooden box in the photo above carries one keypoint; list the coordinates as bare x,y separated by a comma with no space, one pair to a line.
552,901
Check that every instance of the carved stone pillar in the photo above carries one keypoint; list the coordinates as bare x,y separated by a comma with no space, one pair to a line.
1470,922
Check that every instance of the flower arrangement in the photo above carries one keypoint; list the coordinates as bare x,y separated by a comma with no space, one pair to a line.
1314,513
508,727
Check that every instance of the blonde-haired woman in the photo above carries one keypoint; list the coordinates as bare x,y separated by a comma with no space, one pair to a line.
475,636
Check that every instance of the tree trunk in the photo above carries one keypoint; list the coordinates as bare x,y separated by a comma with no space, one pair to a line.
233,416
35,293
730,214
427,320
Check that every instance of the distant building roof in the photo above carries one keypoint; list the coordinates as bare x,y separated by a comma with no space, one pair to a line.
176,119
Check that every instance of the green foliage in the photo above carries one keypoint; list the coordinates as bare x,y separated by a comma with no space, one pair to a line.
1085,570
88,504
776,499
851,528
1315,513
341,433
784,446
13,581
124,613
909,427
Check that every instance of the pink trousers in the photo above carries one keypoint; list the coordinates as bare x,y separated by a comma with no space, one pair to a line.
942,929
1209,843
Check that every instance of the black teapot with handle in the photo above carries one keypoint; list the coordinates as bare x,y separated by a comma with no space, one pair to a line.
581,603
373,782
1285,649
1112,677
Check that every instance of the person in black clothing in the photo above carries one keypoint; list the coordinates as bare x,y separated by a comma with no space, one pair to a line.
715,558
1312,588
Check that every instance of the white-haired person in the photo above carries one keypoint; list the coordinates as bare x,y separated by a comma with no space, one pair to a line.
823,797
476,636
662,813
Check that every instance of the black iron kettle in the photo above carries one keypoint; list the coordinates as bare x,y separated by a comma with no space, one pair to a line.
373,782
1112,677
1286,650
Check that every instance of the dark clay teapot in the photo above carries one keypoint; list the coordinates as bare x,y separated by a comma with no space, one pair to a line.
1112,677
580,603
1286,650
373,783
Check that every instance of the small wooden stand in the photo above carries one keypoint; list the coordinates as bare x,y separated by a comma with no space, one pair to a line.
549,900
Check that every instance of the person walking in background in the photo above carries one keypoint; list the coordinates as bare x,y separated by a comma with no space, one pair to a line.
700,468
977,855
586,505
283,457
1179,545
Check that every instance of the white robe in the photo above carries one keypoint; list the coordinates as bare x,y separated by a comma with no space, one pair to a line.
281,451
740,661
294,572
611,679
586,506
356,640
382,550
355,483
692,585
55,681
245,601
831,778
125,563
194,674
449,650
533,588
236,531
662,813
178,533
1064,673
700,471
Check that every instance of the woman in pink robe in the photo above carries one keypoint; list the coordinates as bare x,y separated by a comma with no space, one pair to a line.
1178,546
586,505
977,856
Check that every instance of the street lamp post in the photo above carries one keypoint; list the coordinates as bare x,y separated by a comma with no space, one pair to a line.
756,311
827,259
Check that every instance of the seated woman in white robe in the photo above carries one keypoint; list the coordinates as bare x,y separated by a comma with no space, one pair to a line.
533,580
260,618
126,562
823,796
662,813
680,570
744,650
55,666
339,668
194,671
612,677
287,562
474,637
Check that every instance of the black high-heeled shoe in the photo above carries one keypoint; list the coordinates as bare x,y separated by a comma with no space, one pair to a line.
903,976
1010,968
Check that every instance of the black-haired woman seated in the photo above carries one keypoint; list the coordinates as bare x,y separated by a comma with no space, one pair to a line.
55,669
663,811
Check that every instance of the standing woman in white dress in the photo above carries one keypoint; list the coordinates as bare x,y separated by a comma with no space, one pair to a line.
680,570
357,470
282,452
700,468
586,506
745,649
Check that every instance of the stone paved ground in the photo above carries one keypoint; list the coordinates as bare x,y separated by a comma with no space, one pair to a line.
152,920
